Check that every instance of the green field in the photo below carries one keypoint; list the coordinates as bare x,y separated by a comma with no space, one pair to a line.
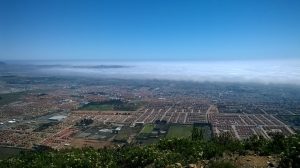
7,152
95,107
147,129
10,97
293,120
111,105
126,132
180,131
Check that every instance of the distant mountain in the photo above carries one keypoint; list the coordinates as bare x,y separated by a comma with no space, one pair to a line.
2,63
84,66
101,66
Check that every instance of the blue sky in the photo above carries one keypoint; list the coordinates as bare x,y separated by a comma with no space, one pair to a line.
149,29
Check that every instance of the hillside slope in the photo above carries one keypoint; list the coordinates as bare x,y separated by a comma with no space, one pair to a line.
218,152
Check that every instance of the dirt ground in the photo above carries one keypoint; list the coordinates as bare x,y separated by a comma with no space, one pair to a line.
79,143
248,161
251,161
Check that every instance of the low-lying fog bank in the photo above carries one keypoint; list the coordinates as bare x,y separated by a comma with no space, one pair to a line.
276,71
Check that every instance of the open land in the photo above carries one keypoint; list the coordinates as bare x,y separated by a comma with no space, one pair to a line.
180,131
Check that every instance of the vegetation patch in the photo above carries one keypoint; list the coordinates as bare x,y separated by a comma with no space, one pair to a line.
94,106
293,120
180,131
110,105
7,152
165,152
44,126
10,97
147,129
206,130
124,134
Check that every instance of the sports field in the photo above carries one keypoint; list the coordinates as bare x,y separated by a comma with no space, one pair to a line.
147,129
180,131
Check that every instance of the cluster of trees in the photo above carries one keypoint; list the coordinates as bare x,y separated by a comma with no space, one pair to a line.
165,152
125,106
85,122
115,104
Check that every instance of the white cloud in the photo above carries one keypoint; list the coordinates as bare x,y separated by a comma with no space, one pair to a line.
284,72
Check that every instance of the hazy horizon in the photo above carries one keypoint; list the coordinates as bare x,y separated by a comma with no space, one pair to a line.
255,71
235,41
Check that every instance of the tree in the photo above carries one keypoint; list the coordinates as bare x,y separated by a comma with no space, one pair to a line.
197,133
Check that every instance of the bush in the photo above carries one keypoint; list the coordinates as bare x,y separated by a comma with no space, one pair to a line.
165,152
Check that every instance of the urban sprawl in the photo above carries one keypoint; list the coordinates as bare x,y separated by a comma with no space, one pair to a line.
60,112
